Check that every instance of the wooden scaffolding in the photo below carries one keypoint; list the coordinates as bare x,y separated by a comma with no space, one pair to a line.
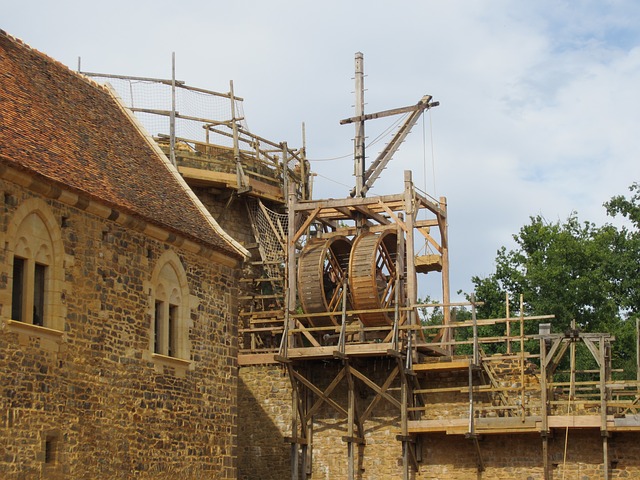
351,294
336,281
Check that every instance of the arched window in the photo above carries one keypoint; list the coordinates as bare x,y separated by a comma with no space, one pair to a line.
170,307
36,268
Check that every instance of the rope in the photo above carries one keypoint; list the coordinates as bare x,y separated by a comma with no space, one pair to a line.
388,129
375,140
330,159
424,153
334,181
270,228
427,246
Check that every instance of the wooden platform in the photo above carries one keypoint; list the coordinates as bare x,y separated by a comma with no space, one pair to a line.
200,177
530,424
357,350
351,350
446,364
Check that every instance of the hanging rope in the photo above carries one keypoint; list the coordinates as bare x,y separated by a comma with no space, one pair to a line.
424,153
330,159
333,180
427,247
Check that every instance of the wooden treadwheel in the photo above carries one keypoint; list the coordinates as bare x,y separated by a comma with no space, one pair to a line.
322,268
372,276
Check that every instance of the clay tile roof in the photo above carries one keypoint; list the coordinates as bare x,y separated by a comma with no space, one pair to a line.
60,125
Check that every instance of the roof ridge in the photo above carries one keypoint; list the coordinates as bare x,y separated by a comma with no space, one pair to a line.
49,58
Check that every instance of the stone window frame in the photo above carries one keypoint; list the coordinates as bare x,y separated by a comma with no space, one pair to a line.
34,235
169,309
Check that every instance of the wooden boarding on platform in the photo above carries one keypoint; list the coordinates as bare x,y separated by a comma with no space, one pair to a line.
530,424
256,359
356,350
230,181
443,365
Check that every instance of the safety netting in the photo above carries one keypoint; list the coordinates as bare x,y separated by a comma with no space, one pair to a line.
151,101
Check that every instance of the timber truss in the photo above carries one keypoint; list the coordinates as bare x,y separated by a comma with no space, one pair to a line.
309,398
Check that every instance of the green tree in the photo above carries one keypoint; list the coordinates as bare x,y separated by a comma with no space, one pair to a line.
575,271
434,316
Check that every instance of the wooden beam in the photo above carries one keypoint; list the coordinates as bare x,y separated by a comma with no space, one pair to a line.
377,398
395,202
373,386
301,328
433,207
358,440
423,104
319,393
375,216
256,359
334,383
394,216
305,225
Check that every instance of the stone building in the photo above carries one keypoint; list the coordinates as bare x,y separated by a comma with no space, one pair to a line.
118,340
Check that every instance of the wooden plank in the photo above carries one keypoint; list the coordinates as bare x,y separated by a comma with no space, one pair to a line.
513,425
458,364
365,349
395,202
439,425
262,329
256,359
575,421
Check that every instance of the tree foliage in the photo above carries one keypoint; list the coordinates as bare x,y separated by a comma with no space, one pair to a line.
575,271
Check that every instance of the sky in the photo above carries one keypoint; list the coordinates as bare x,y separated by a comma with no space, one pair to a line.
539,101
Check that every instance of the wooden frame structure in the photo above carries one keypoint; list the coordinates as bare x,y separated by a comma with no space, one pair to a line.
251,164
545,395
351,339
542,399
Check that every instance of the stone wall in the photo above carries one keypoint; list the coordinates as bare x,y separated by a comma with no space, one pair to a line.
264,406
91,402
254,295
231,214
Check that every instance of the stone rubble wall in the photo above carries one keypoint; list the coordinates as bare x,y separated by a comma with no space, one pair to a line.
264,403
110,410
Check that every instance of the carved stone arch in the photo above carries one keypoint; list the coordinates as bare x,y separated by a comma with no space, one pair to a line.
34,236
169,304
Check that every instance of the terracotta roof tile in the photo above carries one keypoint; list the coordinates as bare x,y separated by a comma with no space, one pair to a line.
63,126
